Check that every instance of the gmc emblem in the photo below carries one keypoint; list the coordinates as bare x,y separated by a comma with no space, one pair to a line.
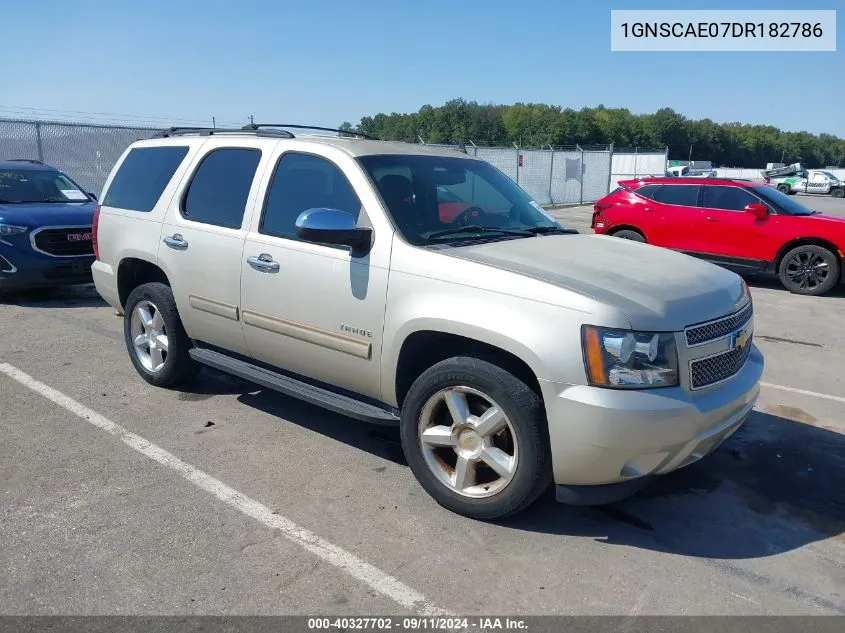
79,237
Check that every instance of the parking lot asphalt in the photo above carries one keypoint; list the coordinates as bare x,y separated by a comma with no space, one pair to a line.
224,498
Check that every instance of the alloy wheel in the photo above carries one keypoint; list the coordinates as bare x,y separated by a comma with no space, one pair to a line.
807,269
468,442
149,336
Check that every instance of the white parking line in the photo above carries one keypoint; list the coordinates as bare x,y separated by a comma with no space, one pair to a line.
373,577
804,392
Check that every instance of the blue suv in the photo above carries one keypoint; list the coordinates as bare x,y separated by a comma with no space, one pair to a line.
45,227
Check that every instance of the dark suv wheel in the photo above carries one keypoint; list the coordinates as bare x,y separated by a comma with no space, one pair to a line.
475,437
809,270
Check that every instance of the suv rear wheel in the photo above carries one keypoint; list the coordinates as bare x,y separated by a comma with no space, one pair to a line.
809,270
475,437
156,340
627,234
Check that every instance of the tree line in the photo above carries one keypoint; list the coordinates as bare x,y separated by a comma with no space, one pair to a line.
539,125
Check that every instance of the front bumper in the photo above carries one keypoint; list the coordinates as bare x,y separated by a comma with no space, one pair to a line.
20,270
600,437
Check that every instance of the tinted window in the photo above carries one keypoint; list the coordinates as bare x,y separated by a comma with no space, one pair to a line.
218,192
647,191
303,182
684,195
142,177
784,204
728,198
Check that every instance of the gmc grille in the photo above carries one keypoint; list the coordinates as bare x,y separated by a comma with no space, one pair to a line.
65,241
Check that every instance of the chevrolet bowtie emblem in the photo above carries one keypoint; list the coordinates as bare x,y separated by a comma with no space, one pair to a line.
741,338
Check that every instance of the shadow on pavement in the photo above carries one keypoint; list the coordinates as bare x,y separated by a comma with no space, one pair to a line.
771,282
775,486
83,296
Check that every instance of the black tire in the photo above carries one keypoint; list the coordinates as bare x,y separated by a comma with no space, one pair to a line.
526,413
839,192
628,234
808,253
178,365
785,189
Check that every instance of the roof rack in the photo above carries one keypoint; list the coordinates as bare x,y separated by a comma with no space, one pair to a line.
258,126
209,131
26,160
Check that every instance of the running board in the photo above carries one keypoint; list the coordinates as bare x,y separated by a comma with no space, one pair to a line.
336,402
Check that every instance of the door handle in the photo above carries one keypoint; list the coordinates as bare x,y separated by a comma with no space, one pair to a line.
648,209
709,219
263,263
176,241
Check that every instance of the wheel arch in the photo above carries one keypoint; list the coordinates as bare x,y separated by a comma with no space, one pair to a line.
801,241
134,271
423,348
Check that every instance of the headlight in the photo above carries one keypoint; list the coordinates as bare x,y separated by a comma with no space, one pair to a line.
11,229
623,359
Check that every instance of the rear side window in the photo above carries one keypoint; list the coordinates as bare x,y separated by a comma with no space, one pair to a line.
682,195
647,191
303,182
220,186
727,198
142,177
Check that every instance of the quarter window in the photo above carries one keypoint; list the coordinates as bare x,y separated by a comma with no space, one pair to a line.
219,190
647,191
681,195
302,182
142,177
727,198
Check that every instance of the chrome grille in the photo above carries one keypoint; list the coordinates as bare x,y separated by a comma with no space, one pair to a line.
713,369
698,334
71,241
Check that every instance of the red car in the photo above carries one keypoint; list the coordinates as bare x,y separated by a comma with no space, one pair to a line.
746,226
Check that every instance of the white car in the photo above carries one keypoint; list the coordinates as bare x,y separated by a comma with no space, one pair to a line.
511,352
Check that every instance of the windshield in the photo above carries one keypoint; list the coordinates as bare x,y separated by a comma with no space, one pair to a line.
38,185
437,199
784,203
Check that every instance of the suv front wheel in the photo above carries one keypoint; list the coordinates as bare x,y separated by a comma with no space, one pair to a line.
475,437
155,338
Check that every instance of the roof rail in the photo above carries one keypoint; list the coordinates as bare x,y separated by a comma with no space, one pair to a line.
209,131
26,160
258,126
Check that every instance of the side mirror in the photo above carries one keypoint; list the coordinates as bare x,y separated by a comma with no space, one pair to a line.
758,210
330,226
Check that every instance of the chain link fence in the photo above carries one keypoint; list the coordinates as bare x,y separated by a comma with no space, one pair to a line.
86,152
553,176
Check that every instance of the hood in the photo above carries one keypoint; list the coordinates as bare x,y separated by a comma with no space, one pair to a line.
827,218
656,288
35,214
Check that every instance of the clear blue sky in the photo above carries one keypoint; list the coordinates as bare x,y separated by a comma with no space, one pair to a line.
325,61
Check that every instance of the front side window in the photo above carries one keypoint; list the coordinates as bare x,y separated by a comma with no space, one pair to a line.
681,195
142,177
19,186
302,182
437,199
727,198
786,205
220,187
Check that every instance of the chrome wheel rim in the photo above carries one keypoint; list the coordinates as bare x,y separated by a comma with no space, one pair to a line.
807,269
468,442
149,336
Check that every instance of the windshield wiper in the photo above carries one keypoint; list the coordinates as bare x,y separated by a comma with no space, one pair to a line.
477,228
552,230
